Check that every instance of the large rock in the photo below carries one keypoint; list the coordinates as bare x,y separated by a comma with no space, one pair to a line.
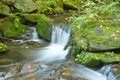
44,28
105,36
58,7
25,6
58,10
11,27
95,35
43,24
70,5
49,7
4,9
97,59
8,2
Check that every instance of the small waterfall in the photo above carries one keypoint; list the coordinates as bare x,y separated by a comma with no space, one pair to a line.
55,51
60,36
34,34
30,35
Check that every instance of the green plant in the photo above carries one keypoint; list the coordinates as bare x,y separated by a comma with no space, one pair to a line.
16,20
3,48
102,9
47,6
94,59
12,26
85,58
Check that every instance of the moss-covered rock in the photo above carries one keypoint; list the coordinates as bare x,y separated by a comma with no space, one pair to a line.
58,7
58,10
70,5
11,26
4,9
49,7
44,28
59,3
104,36
96,35
44,7
97,59
43,24
97,30
8,2
3,48
25,6
34,18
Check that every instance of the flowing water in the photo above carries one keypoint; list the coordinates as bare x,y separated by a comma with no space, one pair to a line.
55,50
34,36
49,62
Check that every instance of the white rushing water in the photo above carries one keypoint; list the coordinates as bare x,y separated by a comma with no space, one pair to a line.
55,51
60,36
81,71
34,34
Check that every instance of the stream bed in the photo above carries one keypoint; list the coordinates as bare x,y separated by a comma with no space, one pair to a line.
36,59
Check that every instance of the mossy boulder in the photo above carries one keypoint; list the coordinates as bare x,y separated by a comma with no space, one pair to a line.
25,6
59,3
58,7
44,6
58,10
97,59
11,27
104,36
8,2
95,35
34,18
42,24
49,7
44,28
69,5
96,31
4,9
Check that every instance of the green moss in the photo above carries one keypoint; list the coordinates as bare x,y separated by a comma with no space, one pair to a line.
43,24
69,5
58,10
97,59
4,9
50,6
35,17
11,26
89,30
27,6
43,28
110,29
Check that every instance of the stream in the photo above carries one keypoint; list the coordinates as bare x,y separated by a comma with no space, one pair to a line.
47,61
